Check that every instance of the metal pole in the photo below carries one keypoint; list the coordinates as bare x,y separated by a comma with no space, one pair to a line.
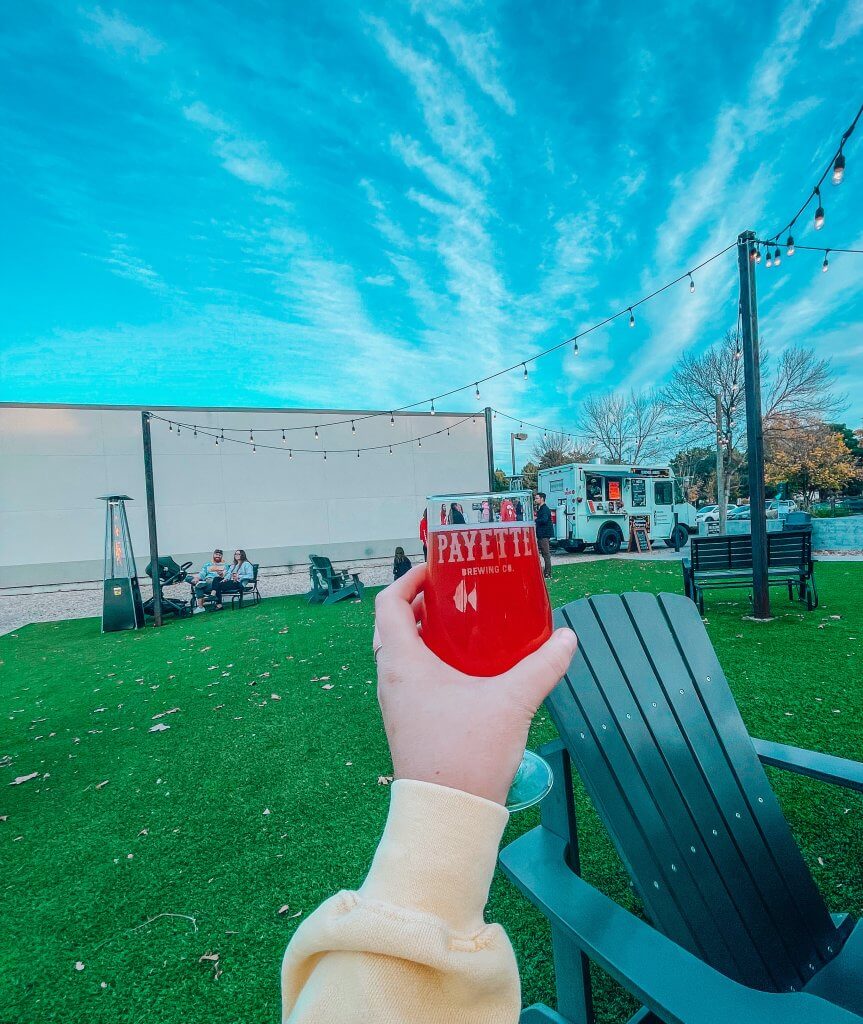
754,435
720,470
151,518
512,447
489,444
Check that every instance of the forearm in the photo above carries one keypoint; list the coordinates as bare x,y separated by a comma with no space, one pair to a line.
411,945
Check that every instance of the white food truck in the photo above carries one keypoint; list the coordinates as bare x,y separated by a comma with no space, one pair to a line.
602,505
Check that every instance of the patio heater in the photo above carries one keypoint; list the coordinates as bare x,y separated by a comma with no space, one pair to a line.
121,594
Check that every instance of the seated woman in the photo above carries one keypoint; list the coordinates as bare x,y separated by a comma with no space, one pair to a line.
401,564
239,573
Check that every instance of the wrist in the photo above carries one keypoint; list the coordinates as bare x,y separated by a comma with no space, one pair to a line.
438,852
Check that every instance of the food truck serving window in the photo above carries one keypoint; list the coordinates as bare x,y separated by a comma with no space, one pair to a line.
662,492
593,487
639,493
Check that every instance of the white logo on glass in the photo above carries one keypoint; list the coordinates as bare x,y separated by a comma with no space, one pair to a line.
463,598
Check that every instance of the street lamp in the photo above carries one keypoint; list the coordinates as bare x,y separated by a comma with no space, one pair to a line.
512,439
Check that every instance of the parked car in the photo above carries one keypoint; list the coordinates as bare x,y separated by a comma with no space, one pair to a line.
707,514
739,512
776,508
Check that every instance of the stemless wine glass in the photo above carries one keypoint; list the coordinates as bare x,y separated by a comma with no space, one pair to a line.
486,605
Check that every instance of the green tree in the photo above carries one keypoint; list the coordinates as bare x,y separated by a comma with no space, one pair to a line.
501,480
529,475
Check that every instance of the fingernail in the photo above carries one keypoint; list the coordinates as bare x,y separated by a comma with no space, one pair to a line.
566,636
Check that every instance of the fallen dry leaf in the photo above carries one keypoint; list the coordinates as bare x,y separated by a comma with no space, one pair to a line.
275,696
327,686
4,817
24,778
99,785
171,711
284,908
266,810
161,727
210,957
384,780
79,966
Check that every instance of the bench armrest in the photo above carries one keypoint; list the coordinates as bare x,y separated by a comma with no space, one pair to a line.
667,979
825,767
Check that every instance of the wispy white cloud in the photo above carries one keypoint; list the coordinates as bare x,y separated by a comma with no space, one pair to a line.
475,52
124,262
849,22
380,280
449,118
245,158
114,32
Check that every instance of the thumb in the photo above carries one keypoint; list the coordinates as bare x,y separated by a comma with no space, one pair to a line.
537,675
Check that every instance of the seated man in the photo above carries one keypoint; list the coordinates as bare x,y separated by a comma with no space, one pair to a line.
206,578
238,574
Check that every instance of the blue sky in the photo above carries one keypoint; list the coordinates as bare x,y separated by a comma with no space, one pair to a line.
326,205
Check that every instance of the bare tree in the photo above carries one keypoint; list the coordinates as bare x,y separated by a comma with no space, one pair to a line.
624,427
559,449
800,386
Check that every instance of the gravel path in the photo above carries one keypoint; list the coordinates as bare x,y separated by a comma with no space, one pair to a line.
50,604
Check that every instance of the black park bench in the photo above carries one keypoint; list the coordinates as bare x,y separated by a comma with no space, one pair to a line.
726,561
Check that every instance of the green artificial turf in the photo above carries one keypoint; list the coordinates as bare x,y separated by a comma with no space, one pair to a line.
136,853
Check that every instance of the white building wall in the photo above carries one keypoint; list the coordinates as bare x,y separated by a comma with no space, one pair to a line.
55,461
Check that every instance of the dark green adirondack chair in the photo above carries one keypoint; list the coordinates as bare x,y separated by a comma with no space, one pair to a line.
329,585
739,930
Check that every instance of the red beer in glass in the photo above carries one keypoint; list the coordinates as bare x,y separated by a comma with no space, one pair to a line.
486,604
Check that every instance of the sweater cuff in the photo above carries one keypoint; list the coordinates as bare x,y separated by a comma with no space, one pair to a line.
438,853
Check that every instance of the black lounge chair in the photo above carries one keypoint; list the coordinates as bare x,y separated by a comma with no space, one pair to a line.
329,585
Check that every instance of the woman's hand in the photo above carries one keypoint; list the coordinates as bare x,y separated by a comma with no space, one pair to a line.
465,732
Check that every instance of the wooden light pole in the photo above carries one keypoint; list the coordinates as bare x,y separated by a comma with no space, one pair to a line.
754,434
151,518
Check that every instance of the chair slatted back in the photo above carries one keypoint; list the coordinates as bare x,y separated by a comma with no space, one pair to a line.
790,548
647,715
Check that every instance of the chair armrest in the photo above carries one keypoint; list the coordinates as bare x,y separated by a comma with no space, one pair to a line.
667,979
825,767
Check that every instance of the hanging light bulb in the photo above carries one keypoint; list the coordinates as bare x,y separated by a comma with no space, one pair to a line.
691,284
420,442
325,456
777,257
283,437
819,213
392,420
447,431
194,431
769,261
524,367
477,391
432,410
358,453
169,426
574,349
825,264
317,435
178,430
290,453
494,415
353,428
631,318
758,254
789,246
839,168
222,436
254,449
217,442
251,435
391,449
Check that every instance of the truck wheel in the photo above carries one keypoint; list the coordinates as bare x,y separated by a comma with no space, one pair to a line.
609,540
682,536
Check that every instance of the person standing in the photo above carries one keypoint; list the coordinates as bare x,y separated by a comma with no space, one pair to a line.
424,533
456,514
544,532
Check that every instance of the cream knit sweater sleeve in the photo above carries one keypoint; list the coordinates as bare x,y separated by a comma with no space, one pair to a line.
411,946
